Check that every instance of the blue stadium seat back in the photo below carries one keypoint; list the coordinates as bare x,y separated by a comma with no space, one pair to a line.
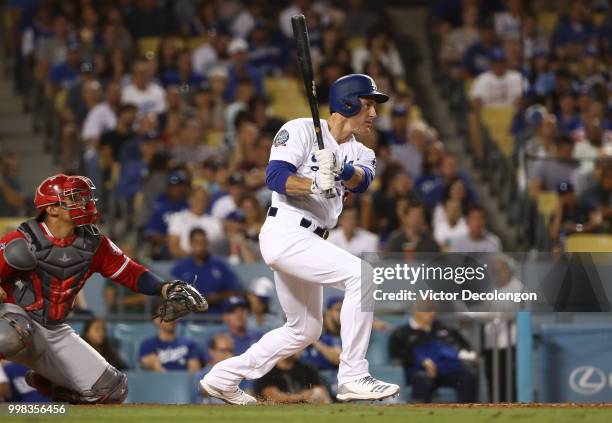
378,351
443,394
94,295
159,388
201,333
77,326
129,336
162,268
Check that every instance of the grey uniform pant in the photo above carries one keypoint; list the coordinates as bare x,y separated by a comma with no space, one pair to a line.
60,355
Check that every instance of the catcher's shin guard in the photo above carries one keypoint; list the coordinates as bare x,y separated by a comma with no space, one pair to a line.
110,388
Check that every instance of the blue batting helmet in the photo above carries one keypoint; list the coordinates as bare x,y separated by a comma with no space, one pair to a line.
344,94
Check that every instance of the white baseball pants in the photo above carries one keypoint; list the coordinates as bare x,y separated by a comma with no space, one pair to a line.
303,263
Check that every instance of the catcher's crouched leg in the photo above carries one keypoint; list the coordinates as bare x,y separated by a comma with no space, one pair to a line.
15,334
110,388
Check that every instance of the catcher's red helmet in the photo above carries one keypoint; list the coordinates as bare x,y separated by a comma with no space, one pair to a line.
73,193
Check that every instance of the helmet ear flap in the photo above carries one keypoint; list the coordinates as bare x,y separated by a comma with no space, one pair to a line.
351,106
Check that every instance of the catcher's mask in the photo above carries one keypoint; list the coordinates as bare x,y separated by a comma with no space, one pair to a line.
73,193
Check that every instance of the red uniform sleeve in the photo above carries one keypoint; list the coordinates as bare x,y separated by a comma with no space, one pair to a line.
112,263
5,269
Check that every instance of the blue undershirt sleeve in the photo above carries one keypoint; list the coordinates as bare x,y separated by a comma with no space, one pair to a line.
277,173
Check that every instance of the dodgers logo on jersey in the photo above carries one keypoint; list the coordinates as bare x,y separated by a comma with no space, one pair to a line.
281,138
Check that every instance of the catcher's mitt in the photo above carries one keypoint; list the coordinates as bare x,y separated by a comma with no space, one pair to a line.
181,300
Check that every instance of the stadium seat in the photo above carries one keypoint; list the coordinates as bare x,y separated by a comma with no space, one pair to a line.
497,121
77,326
378,351
286,94
160,388
355,43
195,42
8,224
148,45
588,243
130,335
215,139
547,204
548,21
200,333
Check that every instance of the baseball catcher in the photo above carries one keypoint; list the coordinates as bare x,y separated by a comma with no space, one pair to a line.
43,266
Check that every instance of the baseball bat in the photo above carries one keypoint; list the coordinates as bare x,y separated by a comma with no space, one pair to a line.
300,33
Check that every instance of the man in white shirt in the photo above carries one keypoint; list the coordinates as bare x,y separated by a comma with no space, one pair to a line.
351,238
228,203
103,117
181,223
478,238
147,95
499,86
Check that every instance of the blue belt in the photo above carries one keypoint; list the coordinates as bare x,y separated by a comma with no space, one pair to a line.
304,223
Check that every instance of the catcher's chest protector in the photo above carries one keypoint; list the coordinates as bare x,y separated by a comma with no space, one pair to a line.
47,293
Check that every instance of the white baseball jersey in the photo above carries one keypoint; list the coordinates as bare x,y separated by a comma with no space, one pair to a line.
296,143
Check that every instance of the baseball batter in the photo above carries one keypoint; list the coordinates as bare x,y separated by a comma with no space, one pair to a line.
293,244
43,266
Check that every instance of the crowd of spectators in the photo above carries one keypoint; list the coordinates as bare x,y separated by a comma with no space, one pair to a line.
171,120
548,62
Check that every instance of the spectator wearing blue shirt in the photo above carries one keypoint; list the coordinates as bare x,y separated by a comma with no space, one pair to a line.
575,27
220,347
213,276
437,186
171,201
183,75
324,354
434,355
166,351
476,59
20,391
568,117
64,74
267,52
240,68
235,317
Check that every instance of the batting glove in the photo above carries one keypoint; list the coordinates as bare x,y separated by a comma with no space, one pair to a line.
323,180
326,158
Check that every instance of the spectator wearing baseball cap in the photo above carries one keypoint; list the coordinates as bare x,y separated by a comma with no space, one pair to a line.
210,273
240,68
173,200
259,296
235,189
235,245
235,317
